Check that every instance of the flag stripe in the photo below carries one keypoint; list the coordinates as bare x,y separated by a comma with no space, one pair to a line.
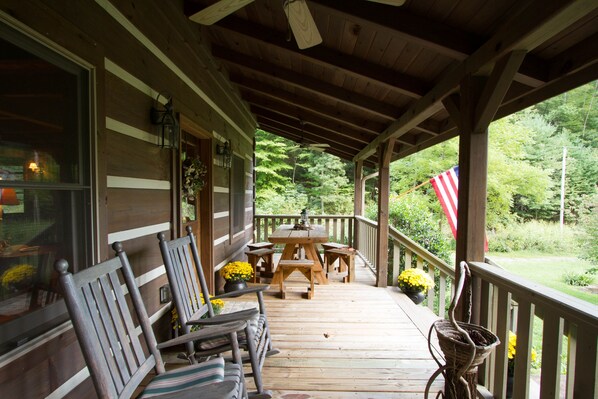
446,188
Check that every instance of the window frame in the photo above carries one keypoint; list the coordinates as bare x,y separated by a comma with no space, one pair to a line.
22,329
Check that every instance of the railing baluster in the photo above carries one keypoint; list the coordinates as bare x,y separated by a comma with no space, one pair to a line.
525,317
502,331
408,262
585,362
552,333
396,261
441,296
431,292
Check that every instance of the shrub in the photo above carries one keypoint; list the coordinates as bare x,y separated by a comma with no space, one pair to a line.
578,279
538,236
412,215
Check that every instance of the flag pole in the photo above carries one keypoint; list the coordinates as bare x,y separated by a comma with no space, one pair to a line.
412,189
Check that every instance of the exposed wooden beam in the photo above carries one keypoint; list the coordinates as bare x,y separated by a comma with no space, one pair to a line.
310,135
253,91
399,23
311,85
436,36
496,87
451,103
551,89
536,21
310,118
390,79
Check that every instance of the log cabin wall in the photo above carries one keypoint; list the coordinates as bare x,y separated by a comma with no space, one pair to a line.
134,50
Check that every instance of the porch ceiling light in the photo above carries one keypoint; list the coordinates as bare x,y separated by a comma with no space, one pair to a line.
163,115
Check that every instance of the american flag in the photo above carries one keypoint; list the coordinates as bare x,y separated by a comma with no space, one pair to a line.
445,185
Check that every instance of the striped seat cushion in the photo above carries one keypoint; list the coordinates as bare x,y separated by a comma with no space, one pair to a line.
209,372
255,323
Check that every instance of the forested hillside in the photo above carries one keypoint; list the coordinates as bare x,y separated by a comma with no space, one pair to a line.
525,168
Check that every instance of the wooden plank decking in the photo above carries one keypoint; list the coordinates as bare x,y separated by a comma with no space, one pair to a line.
349,341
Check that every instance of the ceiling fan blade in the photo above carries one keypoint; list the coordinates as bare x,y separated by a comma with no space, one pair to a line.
390,2
322,145
302,24
214,13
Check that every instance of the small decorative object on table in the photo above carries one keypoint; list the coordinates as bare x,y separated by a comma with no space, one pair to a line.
414,283
236,275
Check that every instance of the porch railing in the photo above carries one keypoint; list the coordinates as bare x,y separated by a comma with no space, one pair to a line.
569,332
507,303
340,228
404,251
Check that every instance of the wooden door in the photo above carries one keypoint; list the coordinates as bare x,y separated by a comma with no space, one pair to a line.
196,210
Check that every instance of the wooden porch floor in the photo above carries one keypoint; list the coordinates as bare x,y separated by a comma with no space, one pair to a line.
349,341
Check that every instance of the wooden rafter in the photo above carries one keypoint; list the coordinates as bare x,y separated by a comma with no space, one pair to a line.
387,78
523,32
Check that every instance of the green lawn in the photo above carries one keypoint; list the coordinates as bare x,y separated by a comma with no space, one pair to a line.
548,270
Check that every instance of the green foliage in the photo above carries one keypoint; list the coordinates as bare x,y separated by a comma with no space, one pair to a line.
578,279
289,201
411,215
330,191
537,236
290,178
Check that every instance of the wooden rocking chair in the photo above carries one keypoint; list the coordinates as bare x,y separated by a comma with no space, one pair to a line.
117,359
188,284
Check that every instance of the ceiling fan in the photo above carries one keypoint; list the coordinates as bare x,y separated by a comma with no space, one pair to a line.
300,20
310,146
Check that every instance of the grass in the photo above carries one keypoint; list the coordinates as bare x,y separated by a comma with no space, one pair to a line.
547,270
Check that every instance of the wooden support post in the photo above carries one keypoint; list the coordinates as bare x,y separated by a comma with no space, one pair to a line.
479,101
383,198
358,199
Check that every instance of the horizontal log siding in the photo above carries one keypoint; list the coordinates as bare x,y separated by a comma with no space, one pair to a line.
131,61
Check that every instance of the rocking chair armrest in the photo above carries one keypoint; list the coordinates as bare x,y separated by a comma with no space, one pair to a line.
204,333
242,315
254,288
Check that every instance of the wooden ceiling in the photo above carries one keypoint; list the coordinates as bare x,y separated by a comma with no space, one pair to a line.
385,71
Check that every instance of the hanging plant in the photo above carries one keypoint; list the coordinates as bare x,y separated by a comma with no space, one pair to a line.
194,174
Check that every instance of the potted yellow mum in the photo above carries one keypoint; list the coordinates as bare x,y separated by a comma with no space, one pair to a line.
414,282
236,275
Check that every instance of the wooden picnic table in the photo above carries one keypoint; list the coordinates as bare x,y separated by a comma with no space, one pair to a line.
307,239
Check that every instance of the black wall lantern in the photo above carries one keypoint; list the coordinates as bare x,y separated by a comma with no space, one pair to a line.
163,116
225,152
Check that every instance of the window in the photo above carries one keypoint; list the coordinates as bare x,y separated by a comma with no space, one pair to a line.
45,196
237,194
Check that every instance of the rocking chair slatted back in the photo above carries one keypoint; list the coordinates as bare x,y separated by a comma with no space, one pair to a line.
187,280
179,258
102,319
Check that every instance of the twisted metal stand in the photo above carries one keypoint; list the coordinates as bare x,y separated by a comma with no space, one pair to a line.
458,376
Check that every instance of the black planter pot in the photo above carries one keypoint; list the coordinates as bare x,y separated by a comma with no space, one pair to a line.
416,296
237,285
